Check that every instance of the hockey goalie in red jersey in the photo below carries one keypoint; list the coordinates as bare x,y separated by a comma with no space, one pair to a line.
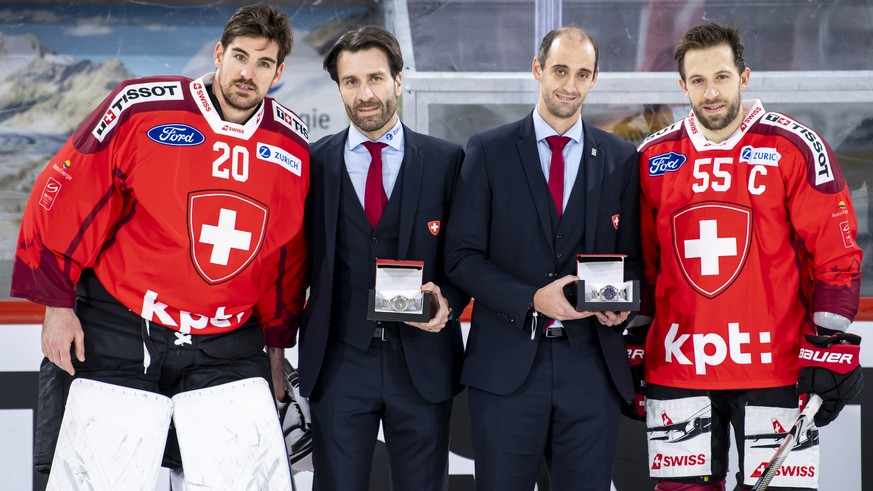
166,240
749,238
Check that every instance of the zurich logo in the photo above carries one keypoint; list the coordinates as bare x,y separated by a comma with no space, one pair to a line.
760,155
666,162
177,135
264,152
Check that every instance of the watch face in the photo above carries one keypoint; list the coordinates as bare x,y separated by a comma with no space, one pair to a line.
398,303
609,292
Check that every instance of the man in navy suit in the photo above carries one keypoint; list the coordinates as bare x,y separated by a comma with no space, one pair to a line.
544,379
356,372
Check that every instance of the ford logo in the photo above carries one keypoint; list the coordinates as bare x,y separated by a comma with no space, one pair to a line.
177,135
666,162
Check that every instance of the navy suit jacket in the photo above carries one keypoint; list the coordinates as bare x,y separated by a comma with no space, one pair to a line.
501,246
429,170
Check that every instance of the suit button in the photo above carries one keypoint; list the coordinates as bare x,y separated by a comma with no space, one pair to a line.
559,236
375,240
550,275
558,255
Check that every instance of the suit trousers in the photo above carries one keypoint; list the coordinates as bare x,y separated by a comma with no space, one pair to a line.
355,391
566,410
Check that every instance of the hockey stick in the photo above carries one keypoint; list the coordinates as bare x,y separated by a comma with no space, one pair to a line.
803,421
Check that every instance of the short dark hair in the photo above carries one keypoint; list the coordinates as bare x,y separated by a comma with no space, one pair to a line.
708,36
363,38
571,31
261,20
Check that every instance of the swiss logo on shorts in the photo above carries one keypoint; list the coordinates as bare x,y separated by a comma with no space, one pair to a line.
711,241
226,231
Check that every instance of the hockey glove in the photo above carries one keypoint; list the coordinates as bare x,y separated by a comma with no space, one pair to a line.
294,415
636,353
830,368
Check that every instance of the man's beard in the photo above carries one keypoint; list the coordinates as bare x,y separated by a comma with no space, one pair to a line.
376,121
718,123
236,102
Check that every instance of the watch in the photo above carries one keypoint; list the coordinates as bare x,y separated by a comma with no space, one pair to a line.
400,303
610,293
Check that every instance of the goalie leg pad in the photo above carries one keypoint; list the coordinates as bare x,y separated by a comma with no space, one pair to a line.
230,438
765,427
679,433
111,438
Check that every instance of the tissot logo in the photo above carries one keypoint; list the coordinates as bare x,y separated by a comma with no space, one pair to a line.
290,120
819,152
177,135
136,94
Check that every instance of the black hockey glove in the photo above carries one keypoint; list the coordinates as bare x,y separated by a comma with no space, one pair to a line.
636,354
830,368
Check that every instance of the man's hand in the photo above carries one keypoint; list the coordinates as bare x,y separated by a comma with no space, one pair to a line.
439,320
609,318
277,371
830,368
551,301
62,329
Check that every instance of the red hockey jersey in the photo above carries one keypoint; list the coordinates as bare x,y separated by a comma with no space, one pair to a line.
193,222
743,240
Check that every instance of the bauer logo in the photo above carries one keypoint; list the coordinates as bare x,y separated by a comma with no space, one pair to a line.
177,135
666,162
759,156
278,156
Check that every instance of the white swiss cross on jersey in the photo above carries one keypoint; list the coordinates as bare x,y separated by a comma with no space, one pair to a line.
226,230
711,241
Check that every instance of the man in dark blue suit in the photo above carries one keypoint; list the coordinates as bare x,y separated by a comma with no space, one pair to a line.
544,379
358,372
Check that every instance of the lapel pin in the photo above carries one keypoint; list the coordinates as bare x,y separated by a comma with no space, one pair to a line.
594,152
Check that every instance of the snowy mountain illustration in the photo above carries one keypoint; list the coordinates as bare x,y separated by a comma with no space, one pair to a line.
43,92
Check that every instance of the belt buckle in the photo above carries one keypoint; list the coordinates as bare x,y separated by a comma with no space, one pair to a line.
558,332
380,333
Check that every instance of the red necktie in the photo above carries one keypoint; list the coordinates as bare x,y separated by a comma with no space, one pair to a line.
556,170
375,198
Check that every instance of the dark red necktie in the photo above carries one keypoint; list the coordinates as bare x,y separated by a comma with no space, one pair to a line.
556,170
375,198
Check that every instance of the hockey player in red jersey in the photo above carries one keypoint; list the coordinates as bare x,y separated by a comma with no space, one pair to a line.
166,240
749,238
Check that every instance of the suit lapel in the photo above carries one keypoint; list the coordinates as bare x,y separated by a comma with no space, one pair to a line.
530,162
333,169
592,166
410,171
